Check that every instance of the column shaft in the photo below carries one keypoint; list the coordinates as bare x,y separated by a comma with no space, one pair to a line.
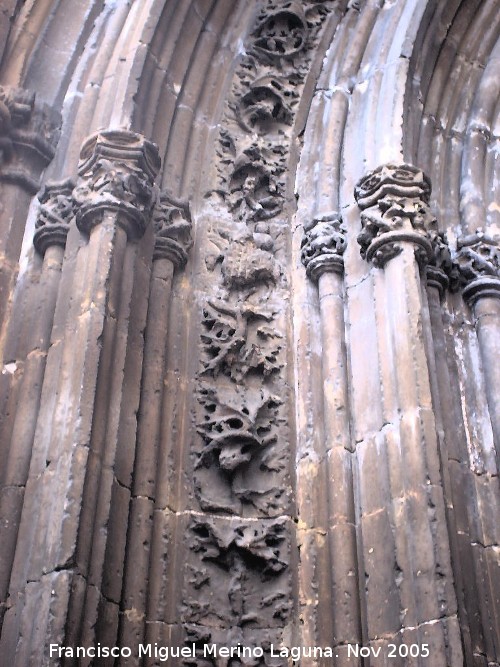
338,445
137,567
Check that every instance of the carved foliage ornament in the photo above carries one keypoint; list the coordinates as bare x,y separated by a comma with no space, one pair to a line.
236,427
442,270
241,453
236,568
116,174
478,256
395,204
54,216
265,97
323,245
238,341
172,226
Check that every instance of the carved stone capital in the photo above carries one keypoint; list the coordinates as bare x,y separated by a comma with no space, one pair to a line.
29,132
395,204
116,174
172,226
323,245
54,216
442,271
478,257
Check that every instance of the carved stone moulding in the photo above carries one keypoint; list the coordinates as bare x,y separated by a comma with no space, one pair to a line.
478,257
323,246
395,204
172,225
29,132
54,216
116,174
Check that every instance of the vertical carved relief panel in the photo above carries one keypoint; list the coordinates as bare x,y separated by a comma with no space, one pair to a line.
238,573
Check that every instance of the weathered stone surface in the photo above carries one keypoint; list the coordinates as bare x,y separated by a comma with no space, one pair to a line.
220,422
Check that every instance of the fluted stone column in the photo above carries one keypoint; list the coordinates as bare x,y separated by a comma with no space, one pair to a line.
462,511
172,226
52,228
409,593
322,249
80,472
478,256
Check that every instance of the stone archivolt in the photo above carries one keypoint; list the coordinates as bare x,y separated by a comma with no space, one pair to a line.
395,204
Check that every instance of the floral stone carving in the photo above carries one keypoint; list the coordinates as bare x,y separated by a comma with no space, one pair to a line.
282,32
265,107
256,554
240,457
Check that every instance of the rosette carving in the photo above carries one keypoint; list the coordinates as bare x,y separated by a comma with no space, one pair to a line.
116,173
172,225
478,257
395,204
54,216
281,33
323,245
264,108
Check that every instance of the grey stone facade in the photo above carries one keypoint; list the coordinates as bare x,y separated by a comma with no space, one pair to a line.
250,331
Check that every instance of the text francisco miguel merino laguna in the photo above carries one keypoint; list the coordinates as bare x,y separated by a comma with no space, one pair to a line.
208,650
